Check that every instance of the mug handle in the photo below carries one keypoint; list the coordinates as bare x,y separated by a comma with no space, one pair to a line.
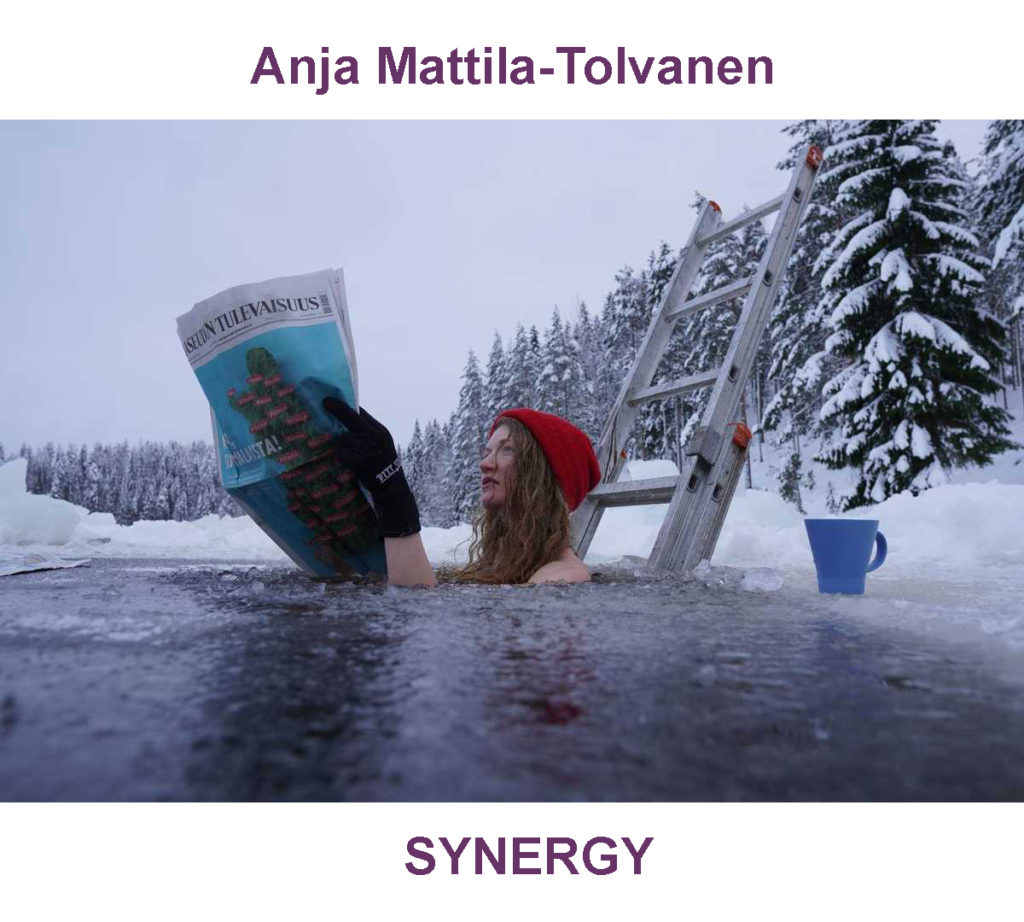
881,549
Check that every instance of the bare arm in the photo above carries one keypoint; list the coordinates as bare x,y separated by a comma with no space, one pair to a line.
568,568
407,562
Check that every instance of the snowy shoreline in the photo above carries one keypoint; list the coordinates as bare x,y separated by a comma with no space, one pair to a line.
955,568
945,530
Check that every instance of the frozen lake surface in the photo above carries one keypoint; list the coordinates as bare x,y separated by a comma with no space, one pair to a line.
184,680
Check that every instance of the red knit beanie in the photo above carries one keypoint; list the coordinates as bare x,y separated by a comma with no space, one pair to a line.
567,449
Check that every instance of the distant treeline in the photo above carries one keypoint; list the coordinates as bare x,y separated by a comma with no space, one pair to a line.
151,480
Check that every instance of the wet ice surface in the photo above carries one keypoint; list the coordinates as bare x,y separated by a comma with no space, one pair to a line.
143,680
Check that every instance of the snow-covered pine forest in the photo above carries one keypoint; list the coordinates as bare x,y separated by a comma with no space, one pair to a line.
892,358
147,481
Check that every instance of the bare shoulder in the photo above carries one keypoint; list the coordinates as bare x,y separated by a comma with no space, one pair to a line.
568,568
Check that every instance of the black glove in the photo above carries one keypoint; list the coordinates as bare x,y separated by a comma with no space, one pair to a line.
368,449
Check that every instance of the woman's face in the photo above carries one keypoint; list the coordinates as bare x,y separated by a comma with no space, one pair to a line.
497,467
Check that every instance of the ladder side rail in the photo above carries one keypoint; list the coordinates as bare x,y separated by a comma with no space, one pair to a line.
587,517
742,353
689,520
711,527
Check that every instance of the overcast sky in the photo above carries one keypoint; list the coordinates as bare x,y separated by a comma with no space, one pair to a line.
446,231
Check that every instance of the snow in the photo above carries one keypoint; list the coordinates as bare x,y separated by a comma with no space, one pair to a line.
29,519
896,269
864,239
921,443
857,182
853,302
912,323
1014,230
898,203
950,265
847,386
850,144
906,153
883,348
960,234
38,522
898,382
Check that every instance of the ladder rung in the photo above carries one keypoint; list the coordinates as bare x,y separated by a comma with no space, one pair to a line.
669,388
636,492
725,293
730,227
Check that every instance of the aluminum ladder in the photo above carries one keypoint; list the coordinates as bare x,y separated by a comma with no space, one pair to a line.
698,498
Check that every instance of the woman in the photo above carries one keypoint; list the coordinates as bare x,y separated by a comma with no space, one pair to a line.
536,468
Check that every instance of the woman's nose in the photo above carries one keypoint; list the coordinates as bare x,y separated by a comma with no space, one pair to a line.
487,462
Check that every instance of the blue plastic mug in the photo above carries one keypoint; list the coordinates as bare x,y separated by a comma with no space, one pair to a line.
841,549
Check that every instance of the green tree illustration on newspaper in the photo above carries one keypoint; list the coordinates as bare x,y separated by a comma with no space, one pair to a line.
321,494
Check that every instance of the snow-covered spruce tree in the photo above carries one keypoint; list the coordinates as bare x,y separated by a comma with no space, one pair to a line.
624,323
624,320
426,460
438,503
45,462
470,428
901,292
1000,205
90,478
496,383
447,470
560,383
412,460
752,240
520,375
796,330
588,338
658,423
797,361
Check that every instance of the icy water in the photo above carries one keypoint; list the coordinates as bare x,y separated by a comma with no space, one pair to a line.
145,680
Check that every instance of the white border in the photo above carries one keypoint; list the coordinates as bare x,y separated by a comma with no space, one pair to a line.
107,59
316,861
195,58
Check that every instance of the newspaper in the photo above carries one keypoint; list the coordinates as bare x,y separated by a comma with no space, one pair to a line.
266,354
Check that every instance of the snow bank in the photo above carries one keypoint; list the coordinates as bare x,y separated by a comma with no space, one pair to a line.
27,520
967,526
955,526
945,529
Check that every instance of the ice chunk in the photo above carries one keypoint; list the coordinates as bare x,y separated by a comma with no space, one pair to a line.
28,563
29,519
761,579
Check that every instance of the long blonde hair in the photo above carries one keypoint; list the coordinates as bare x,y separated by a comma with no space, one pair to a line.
530,529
